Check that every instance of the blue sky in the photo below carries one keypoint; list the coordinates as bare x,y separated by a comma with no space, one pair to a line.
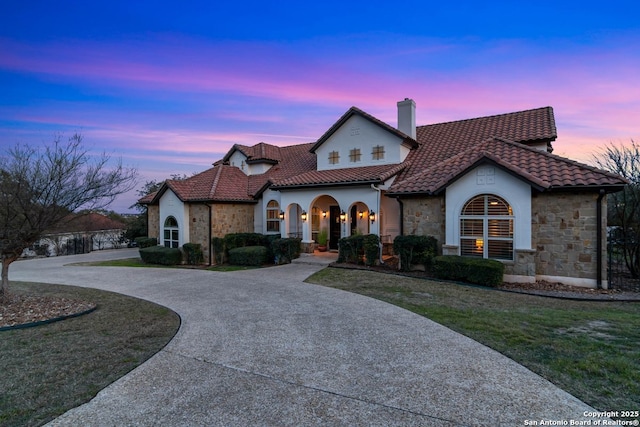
171,86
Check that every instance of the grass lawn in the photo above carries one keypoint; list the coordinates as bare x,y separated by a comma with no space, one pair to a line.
137,262
589,349
49,369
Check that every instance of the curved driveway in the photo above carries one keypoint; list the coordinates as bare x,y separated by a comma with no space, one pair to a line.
261,347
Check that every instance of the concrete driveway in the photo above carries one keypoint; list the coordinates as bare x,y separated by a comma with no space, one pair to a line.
261,347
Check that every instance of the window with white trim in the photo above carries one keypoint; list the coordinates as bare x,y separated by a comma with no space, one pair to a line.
171,233
273,217
486,228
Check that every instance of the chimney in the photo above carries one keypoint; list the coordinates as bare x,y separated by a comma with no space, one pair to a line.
407,117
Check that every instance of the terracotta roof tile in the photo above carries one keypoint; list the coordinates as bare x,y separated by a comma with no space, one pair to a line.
541,169
364,174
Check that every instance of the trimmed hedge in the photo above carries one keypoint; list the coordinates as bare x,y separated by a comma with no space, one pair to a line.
415,250
285,250
371,247
145,242
217,244
248,255
358,249
193,253
161,255
485,272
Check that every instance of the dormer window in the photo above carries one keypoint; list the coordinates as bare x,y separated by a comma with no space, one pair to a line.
354,155
334,158
378,152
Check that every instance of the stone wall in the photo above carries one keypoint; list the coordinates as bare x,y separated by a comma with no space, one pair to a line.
424,217
564,234
231,218
199,228
153,221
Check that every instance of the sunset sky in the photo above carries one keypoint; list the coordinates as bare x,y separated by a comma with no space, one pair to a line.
171,86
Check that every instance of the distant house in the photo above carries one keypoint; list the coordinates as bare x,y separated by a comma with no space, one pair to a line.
484,187
80,233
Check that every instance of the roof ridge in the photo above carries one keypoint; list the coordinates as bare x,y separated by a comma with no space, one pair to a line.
549,108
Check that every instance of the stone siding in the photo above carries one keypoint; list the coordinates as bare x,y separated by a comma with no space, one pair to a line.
564,234
199,228
231,218
153,221
424,217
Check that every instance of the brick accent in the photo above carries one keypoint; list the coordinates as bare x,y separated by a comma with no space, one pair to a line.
564,227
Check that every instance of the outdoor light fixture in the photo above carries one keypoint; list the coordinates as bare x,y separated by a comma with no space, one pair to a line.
372,216
303,215
360,214
324,214
343,216
281,215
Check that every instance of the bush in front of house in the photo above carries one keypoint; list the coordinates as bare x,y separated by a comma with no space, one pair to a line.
239,240
412,250
480,271
161,255
371,247
248,255
217,245
193,253
350,249
145,242
285,250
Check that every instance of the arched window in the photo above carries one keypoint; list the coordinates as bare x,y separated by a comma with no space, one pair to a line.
486,228
171,233
273,217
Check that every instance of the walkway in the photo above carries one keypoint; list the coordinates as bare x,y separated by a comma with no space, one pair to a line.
261,347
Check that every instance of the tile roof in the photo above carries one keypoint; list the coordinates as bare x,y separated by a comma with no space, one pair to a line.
439,155
358,175
87,222
542,170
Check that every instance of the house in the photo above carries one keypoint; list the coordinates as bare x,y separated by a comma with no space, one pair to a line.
80,233
486,187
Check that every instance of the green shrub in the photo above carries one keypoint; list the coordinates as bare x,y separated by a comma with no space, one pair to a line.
415,250
350,249
193,253
161,255
145,242
285,250
217,245
486,272
371,246
239,240
248,255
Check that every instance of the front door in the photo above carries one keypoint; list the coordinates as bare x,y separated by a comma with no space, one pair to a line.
334,227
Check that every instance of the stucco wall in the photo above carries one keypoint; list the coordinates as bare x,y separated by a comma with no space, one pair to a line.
564,235
231,218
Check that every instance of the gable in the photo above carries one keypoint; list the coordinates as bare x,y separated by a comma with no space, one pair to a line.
355,141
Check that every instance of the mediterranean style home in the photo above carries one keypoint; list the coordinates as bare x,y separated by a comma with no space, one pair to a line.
485,187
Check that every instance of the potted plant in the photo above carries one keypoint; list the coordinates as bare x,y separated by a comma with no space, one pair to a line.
323,236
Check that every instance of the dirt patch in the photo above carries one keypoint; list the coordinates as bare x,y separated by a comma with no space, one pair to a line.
24,309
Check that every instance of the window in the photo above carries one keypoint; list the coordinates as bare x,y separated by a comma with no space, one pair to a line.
354,155
378,152
273,217
486,228
171,233
334,158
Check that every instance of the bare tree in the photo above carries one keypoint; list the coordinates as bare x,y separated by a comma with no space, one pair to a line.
40,187
624,207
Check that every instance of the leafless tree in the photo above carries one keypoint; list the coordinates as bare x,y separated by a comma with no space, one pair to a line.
624,206
39,187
